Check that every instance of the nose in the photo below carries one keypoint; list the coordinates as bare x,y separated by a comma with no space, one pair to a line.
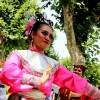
76,71
47,37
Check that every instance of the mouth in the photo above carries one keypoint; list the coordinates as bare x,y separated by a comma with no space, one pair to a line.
46,42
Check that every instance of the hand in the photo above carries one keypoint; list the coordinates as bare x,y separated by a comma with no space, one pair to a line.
46,75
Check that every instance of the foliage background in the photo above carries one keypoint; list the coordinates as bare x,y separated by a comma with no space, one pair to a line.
80,20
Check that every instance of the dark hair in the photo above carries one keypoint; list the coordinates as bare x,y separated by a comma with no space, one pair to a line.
37,26
83,68
98,87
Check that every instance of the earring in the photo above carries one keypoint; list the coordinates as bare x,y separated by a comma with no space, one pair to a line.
31,42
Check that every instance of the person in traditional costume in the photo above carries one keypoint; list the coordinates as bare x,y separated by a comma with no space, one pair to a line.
79,70
30,73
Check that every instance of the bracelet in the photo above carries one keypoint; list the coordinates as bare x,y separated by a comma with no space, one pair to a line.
24,79
31,80
37,81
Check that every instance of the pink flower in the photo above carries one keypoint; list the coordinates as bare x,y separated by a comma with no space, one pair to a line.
27,33
29,26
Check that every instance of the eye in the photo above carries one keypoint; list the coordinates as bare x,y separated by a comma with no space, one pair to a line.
44,33
74,69
79,70
51,36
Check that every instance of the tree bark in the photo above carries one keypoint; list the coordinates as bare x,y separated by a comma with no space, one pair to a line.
74,50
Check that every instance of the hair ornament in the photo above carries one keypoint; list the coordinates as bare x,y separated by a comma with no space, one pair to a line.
33,19
45,15
29,26
43,18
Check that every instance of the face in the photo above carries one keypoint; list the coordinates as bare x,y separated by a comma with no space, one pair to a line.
43,37
78,71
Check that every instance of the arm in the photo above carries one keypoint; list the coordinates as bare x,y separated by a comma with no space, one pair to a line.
70,80
13,73
66,93
19,79
75,83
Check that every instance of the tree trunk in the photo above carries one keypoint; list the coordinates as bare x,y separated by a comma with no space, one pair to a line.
74,50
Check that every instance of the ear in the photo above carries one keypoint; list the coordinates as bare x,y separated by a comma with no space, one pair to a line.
32,34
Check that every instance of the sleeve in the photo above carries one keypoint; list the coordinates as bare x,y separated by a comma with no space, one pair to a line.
13,73
66,78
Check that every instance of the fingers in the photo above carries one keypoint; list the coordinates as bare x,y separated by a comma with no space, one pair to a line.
48,69
46,74
49,78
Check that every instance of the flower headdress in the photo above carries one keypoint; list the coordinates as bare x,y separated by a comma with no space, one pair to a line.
33,19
